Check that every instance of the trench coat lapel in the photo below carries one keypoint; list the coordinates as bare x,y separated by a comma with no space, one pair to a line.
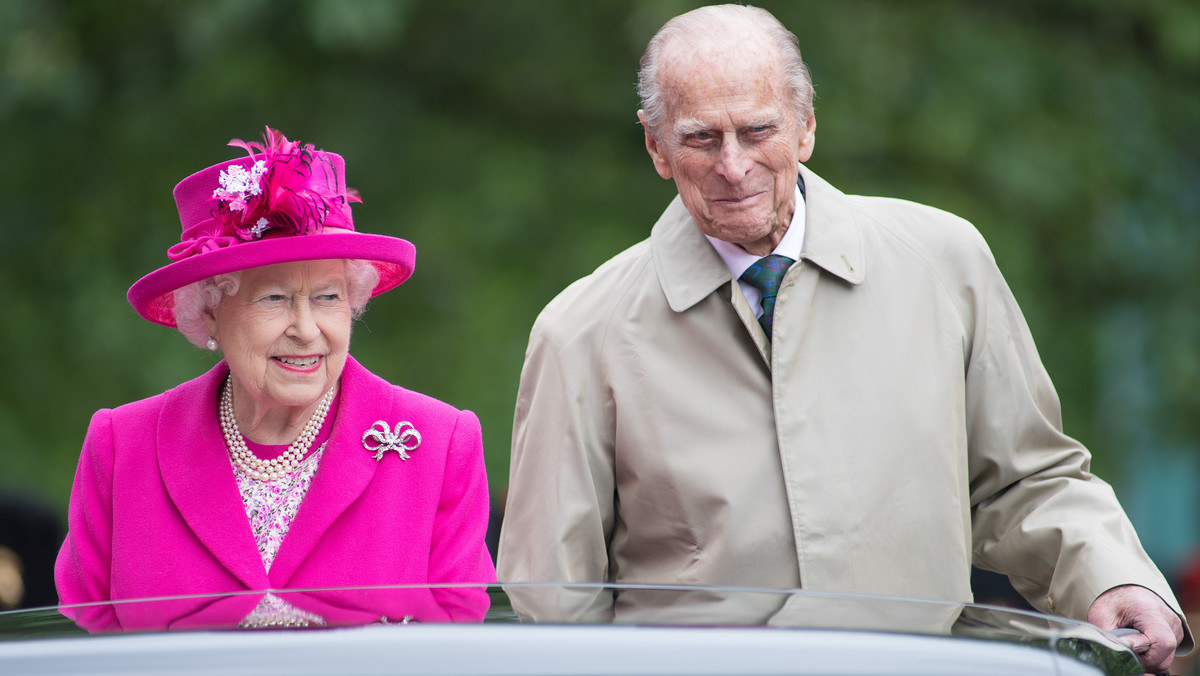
832,236
345,471
688,267
195,468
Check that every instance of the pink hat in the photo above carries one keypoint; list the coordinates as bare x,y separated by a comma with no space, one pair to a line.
284,203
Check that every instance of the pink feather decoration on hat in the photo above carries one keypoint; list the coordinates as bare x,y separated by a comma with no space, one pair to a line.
289,187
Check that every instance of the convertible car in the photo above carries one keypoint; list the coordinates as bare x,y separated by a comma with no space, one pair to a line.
540,629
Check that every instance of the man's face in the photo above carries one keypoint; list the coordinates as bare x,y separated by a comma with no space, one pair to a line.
732,142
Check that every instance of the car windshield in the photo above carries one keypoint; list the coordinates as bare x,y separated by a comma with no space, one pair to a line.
669,613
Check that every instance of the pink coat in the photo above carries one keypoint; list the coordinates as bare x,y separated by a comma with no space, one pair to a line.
155,509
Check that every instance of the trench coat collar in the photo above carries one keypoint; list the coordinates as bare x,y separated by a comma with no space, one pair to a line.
689,269
198,476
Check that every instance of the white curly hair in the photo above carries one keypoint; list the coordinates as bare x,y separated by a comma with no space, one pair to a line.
194,301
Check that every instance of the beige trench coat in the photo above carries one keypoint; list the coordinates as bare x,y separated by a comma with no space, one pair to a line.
899,428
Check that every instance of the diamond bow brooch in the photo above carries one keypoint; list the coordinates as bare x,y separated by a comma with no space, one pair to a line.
402,439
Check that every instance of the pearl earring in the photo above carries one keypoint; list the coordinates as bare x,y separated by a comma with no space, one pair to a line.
211,345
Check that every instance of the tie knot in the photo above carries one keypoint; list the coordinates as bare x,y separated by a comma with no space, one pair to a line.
766,272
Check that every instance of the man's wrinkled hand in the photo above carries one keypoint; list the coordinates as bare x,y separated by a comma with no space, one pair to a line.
1159,628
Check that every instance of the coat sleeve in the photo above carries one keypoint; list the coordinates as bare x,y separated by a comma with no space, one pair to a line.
1038,513
560,508
458,552
82,571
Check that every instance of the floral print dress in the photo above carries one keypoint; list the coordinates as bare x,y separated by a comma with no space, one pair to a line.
271,507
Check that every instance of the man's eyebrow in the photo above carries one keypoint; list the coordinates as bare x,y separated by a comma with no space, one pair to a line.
689,125
767,121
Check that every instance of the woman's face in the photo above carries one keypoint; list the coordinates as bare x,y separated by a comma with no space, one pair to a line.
286,332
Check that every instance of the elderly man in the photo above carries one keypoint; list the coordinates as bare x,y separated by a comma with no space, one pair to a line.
786,386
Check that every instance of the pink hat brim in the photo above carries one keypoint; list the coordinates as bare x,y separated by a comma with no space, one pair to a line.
153,296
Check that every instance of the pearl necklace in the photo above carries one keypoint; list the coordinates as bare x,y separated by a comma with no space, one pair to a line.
275,468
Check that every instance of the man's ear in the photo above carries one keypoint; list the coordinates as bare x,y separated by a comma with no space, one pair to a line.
657,154
808,138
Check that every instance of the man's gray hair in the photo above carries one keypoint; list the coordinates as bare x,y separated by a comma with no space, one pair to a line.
708,22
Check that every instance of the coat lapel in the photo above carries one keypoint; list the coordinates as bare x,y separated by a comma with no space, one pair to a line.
345,471
832,236
195,469
688,267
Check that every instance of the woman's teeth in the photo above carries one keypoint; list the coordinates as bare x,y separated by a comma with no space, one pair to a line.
301,362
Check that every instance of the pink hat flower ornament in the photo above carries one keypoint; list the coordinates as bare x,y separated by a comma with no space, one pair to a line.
283,203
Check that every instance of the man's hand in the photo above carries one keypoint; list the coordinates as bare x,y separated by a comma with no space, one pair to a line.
1141,609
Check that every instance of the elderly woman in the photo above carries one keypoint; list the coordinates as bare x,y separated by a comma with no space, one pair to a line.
288,464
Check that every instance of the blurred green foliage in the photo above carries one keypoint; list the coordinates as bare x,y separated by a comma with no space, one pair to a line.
501,138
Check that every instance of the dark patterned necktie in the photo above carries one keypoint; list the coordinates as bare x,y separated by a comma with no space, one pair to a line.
765,276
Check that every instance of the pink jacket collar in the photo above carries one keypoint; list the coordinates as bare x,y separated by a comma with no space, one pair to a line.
196,470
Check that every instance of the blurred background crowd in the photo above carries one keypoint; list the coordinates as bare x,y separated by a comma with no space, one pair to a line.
501,139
